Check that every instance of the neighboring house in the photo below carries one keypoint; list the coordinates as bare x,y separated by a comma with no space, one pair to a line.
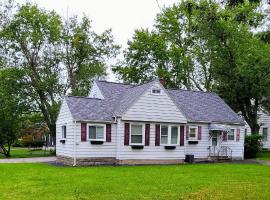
264,122
146,124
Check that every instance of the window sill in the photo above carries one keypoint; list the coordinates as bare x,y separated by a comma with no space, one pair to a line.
63,141
193,142
169,147
96,141
139,146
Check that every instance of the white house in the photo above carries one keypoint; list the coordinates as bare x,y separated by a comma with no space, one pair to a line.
264,122
146,124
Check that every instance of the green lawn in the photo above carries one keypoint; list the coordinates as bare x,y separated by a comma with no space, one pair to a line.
198,181
18,152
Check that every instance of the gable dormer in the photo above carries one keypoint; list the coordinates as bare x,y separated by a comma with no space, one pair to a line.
156,105
95,92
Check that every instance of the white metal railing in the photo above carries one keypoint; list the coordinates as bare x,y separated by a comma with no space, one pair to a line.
222,151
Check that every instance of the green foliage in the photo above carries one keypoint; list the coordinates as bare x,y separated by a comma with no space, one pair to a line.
253,145
58,57
206,46
12,105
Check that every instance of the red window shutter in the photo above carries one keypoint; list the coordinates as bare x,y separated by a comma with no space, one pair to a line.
147,134
187,132
157,139
182,135
199,132
108,132
238,135
83,132
126,137
225,136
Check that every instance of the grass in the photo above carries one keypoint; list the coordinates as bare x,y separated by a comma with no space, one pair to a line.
264,155
199,181
18,152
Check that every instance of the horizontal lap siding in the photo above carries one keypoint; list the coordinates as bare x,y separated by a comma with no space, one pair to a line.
236,146
264,119
155,108
199,150
148,152
64,118
86,149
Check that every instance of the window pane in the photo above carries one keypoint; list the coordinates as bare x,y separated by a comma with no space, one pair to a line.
174,135
192,133
136,139
100,132
265,130
92,132
231,135
136,129
164,135
64,131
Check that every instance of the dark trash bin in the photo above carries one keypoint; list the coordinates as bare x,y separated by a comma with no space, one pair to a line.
189,159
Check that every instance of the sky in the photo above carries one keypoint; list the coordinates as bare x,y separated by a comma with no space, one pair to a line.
122,16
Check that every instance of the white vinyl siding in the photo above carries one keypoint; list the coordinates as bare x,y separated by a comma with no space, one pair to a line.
154,108
64,119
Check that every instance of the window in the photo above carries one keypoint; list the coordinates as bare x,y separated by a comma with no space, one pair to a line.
193,133
174,135
169,135
265,131
136,134
156,91
164,135
96,132
64,132
231,135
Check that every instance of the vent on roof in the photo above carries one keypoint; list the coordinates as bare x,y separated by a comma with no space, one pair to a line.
156,91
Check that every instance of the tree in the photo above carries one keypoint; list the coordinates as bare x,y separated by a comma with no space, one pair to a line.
208,46
12,107
58,57
84,54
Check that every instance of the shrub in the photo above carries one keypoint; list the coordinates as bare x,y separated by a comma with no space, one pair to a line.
253,145
17,143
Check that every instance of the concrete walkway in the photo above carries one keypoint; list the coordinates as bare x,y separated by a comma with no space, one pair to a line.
29,160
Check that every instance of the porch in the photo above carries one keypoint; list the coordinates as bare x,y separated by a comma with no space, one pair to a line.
217,135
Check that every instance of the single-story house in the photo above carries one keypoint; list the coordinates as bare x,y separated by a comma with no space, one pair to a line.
146,124
264,122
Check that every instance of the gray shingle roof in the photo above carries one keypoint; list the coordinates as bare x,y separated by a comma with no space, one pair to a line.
204,106
196,106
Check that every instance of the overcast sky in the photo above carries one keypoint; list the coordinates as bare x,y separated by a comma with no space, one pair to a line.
123,16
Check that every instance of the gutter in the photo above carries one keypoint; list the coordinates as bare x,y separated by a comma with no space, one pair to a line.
74,144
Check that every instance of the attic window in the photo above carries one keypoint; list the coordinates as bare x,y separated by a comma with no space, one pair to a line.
156,91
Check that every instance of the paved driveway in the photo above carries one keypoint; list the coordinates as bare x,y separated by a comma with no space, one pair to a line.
29,160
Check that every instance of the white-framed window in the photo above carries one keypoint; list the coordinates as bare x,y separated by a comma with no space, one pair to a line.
231,135
156,91
265,133
193,133
64,132
96,132
169,135
137,132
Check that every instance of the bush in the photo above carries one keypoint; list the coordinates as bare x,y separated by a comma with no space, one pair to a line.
33,144
18,143
253,145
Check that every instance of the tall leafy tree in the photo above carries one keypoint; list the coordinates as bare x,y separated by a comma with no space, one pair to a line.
58,56
208,46
84,54
13,105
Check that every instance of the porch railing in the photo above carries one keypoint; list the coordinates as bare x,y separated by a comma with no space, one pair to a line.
220,152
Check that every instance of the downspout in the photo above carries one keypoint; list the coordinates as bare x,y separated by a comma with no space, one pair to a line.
74,144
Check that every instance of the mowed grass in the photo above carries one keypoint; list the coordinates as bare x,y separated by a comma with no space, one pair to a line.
198,181
18,152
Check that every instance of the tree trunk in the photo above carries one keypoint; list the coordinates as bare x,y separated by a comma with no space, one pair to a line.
255,128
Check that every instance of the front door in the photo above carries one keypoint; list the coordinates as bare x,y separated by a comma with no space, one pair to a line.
214,139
